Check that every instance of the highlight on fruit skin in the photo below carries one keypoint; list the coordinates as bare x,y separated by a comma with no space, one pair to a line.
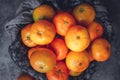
43,12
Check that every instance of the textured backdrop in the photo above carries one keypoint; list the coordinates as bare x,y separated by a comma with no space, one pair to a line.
109,70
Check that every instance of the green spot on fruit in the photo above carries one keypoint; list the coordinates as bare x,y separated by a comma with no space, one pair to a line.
41,67
28,38
42,18
65,22
81,10
97,30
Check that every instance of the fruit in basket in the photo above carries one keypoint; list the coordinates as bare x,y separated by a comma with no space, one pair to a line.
43,12
77,61
77,38
43,60
25,76
101,49
90,55
95,30
42,32
31,50
25,36
59,72
63,21
60,48
84,14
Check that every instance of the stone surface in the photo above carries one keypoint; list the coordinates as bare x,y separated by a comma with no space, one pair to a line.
109,70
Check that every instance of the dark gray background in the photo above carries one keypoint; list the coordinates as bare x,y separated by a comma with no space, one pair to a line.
109,70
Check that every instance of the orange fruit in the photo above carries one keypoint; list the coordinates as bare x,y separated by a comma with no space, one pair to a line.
43,12
60,48
25,36
77,38
77,61
101,49
84,14
95,30
90,55
32,50
63,21
25,77
43,60
42,32
72,73
59,72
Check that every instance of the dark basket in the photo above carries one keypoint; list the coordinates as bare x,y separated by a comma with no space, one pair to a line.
18,51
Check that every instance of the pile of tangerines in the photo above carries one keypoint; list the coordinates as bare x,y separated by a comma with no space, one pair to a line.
64,43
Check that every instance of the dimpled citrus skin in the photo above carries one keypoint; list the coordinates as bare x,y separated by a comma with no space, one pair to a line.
77,38
43,60
101,49
63,21
84,14
25,35
95,30
42,32
77,61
